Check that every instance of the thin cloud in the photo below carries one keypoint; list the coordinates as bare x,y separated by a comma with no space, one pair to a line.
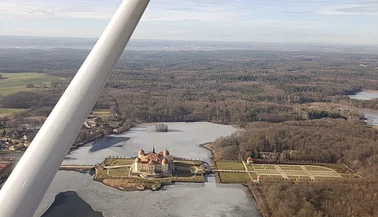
359,8
163,10
48,9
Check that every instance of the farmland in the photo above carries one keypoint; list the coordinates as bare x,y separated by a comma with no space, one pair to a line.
16,82
6,111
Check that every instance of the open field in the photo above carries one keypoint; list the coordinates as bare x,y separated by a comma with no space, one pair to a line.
229,165
16,82
103,113
8,111
228,177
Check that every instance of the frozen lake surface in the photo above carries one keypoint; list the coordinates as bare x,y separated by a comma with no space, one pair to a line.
180,200
182,140
370,116
365,95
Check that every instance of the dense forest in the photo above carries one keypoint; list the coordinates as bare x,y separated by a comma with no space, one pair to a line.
221,86
331,199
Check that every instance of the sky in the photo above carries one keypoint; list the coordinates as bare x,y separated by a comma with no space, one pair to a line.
318,21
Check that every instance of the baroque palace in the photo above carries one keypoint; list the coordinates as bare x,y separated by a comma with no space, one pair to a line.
153,163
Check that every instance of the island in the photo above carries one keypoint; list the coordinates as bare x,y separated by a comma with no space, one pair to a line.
149,170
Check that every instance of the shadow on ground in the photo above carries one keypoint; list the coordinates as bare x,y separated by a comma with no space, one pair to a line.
107,142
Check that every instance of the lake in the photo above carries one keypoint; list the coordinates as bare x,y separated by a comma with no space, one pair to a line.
371,116
178,200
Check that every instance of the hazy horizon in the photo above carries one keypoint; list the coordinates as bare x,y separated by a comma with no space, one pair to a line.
43,42
186,40
270,21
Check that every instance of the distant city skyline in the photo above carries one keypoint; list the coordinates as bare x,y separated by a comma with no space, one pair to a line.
320,21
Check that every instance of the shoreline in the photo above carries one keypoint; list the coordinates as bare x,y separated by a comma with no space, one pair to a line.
252,194
209,148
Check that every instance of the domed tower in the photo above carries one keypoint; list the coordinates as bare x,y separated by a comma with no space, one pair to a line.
168,156
151,167
166,153
141,153
165,166
137,165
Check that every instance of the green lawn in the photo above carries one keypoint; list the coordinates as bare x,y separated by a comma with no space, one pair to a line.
117,162
103,113
253,175
271,177
8,111
16,82
119,172
187,163
101,174
264,167
317,168
229,165
290,167
228,177
197,178
250,168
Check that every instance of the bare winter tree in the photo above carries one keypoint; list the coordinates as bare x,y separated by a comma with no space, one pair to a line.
161,127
